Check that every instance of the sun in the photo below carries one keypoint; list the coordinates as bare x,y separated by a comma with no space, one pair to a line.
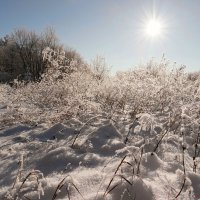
153,28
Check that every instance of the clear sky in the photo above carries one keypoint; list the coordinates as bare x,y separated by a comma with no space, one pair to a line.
113,29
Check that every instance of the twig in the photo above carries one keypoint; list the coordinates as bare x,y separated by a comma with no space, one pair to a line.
20,168
184,174
106,191
129,131
196,152
60,186
165,133
78,132
78,190
35,173
112,188
138,166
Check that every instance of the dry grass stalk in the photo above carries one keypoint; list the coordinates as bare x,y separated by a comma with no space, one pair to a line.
61,185
163,135
184,180
196,152
78,132
107,189
20,169
35,173
138,166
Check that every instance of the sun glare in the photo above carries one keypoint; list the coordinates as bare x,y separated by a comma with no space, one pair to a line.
153,28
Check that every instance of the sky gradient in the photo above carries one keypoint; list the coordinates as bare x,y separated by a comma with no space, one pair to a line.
113,28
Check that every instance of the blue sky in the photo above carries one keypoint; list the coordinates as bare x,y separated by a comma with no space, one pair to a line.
113,28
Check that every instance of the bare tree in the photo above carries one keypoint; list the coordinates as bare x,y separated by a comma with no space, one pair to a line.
99,68
21,53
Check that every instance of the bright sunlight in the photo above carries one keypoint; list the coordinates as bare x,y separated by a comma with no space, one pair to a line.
153,28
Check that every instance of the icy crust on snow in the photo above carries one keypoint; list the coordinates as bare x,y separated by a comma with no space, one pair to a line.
79,160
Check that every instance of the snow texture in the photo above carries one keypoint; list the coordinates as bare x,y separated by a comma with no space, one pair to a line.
91,169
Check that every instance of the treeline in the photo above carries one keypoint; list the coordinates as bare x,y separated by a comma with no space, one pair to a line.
21,54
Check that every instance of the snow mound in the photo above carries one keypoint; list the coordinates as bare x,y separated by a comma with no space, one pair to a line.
195,183
106,140
137,190
58,131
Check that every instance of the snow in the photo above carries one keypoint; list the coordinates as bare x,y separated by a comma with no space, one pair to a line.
131,136
89,166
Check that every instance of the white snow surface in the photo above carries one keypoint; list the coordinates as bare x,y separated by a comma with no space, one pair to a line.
78,160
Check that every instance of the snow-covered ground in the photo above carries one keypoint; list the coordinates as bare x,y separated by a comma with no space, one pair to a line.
133,136
89,160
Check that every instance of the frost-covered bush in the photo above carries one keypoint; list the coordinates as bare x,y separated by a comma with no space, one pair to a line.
157,87
64,91
68,90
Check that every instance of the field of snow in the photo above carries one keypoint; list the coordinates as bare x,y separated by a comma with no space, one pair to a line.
44,162
133,137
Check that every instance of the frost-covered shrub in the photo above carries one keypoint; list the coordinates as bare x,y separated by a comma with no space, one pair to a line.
64,91
68,90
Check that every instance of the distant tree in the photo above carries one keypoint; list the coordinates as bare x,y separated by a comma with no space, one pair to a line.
21,53
8,58
72,54
99,68
29,47
193,76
